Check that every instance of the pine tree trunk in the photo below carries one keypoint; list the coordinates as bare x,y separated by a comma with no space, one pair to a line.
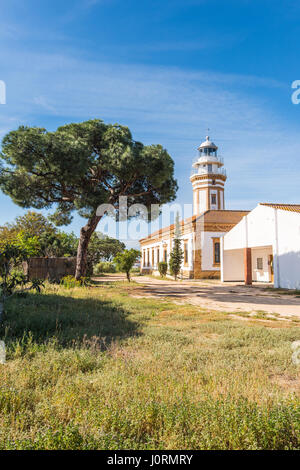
85,235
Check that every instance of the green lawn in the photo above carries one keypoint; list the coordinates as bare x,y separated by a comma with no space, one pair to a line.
97,368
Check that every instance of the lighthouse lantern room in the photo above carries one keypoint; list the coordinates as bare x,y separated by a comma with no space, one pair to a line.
208,179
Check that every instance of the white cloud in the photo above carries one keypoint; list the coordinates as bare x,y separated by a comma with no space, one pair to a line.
210,41
91,3
79,8
170,106
43,102
9,31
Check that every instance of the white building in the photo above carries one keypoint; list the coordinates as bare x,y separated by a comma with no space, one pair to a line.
200,233
264,246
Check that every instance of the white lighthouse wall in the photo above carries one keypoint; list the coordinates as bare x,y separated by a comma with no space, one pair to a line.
222,200
202,201
195,208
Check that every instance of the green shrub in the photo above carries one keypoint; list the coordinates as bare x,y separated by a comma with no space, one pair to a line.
126,260
104,267
135,270
12,281
162,268
69,282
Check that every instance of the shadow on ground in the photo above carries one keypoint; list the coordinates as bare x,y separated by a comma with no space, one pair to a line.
66,319
222,296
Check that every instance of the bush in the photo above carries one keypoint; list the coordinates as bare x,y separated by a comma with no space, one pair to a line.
69,282
104,267
162,268
126,260
13,281
136,270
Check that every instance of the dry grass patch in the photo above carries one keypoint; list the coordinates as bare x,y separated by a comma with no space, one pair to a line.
289,383
97,368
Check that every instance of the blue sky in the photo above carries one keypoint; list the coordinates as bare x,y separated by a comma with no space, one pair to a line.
168,69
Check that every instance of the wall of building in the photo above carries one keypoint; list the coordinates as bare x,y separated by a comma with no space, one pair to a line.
204,185
264,274
232,265
166,243
278,232
207,247
253,230
288,253
215,206
222,201
202,201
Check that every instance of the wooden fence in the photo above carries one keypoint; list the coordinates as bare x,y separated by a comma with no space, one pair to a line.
49,268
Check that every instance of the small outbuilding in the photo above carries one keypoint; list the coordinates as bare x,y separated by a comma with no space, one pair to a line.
264,246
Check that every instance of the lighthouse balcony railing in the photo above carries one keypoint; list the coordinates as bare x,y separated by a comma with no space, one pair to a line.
204,171
208,158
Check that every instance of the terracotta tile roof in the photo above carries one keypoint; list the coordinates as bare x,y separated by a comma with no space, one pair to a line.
284,207
210,216
168,228
229,217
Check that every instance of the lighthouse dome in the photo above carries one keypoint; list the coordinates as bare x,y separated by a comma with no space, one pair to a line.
208,144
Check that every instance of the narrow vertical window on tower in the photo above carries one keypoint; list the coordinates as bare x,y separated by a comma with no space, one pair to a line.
213,199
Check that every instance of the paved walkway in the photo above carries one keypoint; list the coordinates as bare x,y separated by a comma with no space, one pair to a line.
227,297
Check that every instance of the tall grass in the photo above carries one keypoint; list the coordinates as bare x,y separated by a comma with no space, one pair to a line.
97,368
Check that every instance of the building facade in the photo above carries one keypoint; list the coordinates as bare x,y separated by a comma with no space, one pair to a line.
201,233
265,247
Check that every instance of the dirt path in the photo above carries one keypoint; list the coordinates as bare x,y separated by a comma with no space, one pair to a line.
228,297
231,297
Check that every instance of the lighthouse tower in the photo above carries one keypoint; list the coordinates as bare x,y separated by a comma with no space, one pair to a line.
208,179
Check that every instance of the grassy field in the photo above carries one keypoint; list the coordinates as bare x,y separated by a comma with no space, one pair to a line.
97,368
